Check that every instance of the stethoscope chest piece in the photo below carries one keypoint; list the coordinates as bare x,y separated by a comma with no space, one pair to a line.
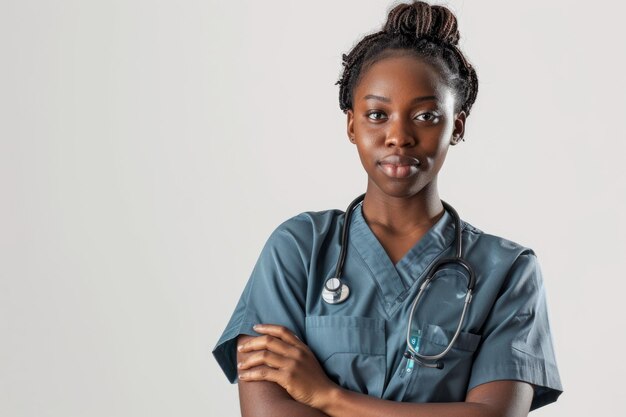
335,291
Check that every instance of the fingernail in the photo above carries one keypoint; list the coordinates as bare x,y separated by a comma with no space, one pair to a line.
239,365
240,348
256,326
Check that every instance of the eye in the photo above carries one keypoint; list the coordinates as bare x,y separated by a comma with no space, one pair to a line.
428,117
376,115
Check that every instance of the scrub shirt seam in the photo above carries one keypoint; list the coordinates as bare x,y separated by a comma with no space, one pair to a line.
410,258
394,284
378,287
535,370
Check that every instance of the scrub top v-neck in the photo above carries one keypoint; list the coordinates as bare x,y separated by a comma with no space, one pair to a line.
360,342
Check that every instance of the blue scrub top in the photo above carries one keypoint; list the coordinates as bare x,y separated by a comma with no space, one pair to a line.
360,342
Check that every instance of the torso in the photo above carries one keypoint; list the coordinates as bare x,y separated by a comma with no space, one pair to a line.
360,342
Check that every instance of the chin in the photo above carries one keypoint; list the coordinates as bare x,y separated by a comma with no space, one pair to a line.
400,190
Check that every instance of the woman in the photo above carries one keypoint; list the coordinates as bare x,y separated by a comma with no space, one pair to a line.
302,345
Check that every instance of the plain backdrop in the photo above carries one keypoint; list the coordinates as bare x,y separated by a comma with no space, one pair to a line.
148,149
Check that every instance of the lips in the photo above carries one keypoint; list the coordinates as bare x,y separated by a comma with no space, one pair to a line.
399,166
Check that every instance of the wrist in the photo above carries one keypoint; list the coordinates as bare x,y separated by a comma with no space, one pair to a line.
329,402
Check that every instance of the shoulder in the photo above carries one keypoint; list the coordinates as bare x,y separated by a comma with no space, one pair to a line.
504,255
308,225
305,233
508,274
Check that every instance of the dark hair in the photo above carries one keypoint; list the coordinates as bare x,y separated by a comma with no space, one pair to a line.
431,33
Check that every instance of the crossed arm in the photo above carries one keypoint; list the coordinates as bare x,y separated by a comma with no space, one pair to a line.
280,376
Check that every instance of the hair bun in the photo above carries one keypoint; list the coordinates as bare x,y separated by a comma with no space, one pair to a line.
422,20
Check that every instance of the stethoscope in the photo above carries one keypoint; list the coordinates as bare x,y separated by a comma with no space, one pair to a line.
336,291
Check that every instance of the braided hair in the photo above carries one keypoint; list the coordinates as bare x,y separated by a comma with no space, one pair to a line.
431,33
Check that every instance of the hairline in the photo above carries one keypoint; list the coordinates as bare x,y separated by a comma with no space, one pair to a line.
393,52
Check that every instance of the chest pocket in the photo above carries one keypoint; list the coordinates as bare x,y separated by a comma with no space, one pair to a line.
450,383
350,349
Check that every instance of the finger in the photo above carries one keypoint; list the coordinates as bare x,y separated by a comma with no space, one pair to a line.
280,332
260,373
266,342
263,358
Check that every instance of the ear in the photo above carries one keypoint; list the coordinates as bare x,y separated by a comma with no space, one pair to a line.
459,128
350,126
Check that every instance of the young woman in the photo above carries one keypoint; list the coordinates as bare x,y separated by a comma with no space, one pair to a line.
427,315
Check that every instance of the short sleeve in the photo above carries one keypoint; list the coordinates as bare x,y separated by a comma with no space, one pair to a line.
274,294
517,343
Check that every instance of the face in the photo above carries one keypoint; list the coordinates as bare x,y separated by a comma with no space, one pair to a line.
402,121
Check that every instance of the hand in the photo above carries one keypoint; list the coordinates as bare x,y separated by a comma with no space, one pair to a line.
279,356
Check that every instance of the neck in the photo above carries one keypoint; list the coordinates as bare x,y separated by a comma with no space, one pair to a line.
402,215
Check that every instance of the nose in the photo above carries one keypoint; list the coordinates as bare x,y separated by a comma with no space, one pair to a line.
399,133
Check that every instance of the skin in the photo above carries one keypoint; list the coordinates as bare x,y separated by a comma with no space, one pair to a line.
401,107
400,211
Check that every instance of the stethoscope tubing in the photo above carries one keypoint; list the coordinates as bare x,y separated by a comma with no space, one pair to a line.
339,291
344,235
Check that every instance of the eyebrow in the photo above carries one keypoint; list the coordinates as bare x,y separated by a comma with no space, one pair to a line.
387,100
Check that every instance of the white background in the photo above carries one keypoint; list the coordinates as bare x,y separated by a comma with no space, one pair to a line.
148,149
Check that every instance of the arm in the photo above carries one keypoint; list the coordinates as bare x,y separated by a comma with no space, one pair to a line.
493,399
280,357
265,398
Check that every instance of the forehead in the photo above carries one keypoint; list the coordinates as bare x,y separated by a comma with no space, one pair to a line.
402,75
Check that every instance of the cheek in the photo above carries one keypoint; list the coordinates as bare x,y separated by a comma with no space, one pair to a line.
367,155
438,141
364,154
440,156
